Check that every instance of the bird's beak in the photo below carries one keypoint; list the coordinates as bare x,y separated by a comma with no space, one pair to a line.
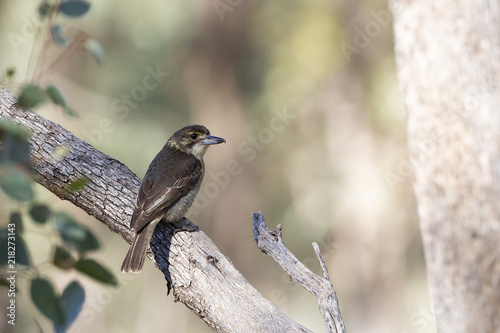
212,140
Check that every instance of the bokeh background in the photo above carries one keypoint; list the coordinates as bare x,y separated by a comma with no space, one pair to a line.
305,94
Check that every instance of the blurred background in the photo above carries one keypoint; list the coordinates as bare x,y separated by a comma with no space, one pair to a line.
305,94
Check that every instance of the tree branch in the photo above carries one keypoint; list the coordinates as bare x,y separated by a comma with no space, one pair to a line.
201,276
271,243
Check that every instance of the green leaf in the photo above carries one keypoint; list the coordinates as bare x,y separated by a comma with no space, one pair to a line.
72,300
95,48
3,247
31,96
57,35
44,9
63,258
40,213
16,150
74,8
22,254
10,72
16,219
55,95
17,185
13,243
69,229
4,282
77,184
58,99
95,271
19,151
60,152
69,111
7,126
90,243
45,299
74,234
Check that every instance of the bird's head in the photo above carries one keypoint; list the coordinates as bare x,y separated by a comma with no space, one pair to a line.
194,140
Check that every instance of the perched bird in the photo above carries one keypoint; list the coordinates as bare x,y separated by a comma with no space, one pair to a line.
168,188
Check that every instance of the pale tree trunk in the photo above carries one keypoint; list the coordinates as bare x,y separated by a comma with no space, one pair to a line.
448,56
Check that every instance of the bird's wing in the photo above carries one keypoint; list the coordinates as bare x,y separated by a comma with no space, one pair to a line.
154,197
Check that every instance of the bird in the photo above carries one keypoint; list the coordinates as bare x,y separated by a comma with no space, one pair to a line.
168,188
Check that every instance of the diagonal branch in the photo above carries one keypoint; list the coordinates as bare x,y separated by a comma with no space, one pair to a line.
271,243
201,276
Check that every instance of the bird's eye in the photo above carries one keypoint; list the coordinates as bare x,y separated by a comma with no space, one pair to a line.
193,136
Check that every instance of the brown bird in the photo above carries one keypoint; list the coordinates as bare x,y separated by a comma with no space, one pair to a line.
168,188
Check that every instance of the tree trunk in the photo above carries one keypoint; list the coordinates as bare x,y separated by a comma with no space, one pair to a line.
448,56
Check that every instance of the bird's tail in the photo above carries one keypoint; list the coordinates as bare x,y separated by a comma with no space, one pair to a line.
134,260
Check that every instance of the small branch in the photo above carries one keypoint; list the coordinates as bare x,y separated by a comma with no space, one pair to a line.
271,243
321,260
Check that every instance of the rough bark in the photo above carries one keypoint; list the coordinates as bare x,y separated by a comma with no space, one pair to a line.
201,276
448,56
271,243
